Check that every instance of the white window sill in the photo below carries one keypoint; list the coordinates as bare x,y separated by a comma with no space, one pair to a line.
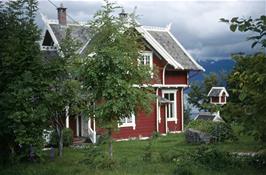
172,120
127,125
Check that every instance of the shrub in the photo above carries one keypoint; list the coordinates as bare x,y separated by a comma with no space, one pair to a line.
97,158
183,170
67,137
220,131
215,159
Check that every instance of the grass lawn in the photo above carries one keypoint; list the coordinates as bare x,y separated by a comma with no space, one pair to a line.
131,154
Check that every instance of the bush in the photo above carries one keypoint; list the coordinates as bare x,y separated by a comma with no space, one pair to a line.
183,170
97,158
219,131
67,137
214,158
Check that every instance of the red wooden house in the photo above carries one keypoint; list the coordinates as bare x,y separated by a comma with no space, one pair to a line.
164,52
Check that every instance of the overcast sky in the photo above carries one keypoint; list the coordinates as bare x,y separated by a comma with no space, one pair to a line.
195,23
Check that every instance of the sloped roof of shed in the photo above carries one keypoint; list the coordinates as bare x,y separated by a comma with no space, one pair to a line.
217,91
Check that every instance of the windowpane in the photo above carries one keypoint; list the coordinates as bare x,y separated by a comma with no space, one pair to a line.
170,108
129,119
172,96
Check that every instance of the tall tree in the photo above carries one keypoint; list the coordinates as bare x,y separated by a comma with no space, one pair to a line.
247,81
112,69
65,90
22,79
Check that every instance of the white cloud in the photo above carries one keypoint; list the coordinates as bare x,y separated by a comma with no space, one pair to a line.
194,22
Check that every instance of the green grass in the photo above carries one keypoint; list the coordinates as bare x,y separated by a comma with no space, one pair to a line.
131,153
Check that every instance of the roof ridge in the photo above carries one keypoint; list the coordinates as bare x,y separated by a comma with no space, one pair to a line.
155,28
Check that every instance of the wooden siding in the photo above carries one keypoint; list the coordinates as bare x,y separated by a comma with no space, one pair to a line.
215,99
145,126
175,77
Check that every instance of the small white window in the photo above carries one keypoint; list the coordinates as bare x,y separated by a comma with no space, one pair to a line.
128,121
146,58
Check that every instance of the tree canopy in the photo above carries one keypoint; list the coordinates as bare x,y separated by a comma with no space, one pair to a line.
112,68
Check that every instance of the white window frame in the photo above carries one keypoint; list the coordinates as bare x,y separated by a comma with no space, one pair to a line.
131,124
147,53
174,118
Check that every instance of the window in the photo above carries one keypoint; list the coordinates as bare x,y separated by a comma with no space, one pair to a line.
128,121
146,58
170,108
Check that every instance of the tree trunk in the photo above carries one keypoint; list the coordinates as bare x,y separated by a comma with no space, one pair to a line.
60,140
110,145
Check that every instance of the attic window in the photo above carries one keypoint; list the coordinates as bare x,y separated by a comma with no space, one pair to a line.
48,41
146,58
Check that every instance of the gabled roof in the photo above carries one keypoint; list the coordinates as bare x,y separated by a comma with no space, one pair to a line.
169,48
161,39
217,92
57,32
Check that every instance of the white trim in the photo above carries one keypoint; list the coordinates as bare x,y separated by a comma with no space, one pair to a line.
157,110
185,51
77,125
175,108
48,27
159,48
164,68
132,124
222,90
182,108
67,116
81,125
162,85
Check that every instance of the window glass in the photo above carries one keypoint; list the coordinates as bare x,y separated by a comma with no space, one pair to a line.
170,108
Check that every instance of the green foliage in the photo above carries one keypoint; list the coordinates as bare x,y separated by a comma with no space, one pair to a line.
183,170
257,26
198,95
112,68
97,158
187,115
22,79
220,131
214,158
246,87
67,137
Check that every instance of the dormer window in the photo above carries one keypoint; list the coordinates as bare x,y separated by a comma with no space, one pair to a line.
146,58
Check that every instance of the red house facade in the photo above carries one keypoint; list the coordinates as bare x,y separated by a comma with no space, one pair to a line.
163,53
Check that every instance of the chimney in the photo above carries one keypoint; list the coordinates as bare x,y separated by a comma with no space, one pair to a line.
123,14
61,12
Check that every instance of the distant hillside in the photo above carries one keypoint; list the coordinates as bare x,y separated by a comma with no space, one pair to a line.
217,66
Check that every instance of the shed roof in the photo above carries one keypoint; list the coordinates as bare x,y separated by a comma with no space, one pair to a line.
217,91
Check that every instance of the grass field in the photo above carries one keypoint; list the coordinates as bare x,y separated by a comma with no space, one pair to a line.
130,153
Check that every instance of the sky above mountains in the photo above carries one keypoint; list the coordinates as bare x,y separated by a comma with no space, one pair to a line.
195,23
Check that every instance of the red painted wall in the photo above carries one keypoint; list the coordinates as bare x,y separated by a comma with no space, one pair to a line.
175,77
222,99
145,126
215,99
